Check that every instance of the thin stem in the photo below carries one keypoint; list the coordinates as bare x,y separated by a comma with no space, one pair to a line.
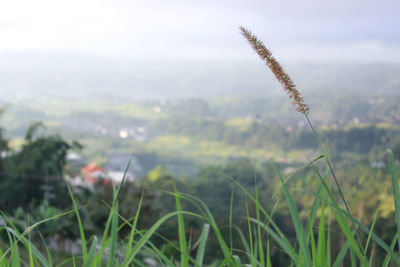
325,155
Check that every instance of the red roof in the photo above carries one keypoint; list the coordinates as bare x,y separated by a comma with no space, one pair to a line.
92,167
93,173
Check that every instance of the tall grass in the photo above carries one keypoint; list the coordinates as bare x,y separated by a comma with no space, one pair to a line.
311,248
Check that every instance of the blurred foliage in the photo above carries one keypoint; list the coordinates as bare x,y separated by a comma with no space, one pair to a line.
37,165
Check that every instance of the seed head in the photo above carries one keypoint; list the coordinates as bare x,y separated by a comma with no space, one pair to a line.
277,70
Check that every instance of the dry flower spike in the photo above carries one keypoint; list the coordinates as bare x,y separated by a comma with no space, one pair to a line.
277,70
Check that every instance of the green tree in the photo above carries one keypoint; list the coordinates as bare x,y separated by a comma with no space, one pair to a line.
35,169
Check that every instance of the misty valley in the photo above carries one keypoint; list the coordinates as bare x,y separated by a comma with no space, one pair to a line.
203,146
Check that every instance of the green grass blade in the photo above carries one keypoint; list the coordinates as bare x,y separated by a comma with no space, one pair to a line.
113,230
98,258
106,241
14,257
237,260
91,253
65,262
3,261
296,221
114,220
353,259
342,253
281,241
23,240
30,252
386,261
371,257
293,174
259,233
250,236
313,211
339,215
374,237
189,242
204,210
145,238
244,243
230,220
328,242
105,234
202,245
110,216
396,192
313,247
279,235
371,231
123,179
226,261
152,249
133,227
160,255
138,263
269,263
78,218
321,235
181,231
326,157
21,236
49,256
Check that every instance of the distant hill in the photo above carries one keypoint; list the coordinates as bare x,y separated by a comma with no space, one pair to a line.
55,74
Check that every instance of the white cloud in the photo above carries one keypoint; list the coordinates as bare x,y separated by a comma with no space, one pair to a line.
362,52
202,30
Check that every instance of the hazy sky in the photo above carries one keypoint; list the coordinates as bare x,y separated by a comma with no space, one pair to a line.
314,30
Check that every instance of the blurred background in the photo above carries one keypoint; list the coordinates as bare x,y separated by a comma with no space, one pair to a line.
148,75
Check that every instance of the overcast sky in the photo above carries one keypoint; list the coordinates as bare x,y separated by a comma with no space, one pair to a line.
312,30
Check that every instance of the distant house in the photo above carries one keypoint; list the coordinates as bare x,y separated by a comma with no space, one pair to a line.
139,134
123,133
119,161
74,159
92,173
116,176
